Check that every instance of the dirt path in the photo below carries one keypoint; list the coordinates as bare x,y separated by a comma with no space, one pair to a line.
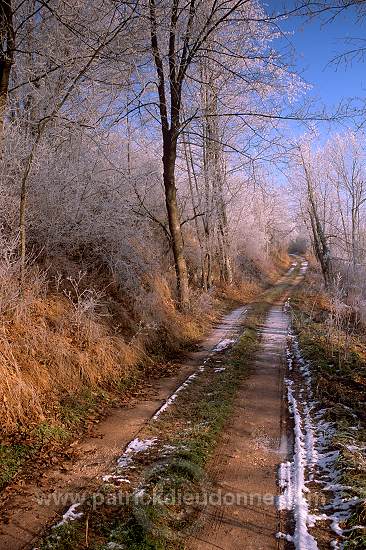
25,514
254,444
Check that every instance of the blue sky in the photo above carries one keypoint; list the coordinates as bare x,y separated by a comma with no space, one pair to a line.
316,43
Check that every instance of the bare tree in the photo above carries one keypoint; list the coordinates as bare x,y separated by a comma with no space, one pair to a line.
319,236
182,35
44,104
7,47
348,171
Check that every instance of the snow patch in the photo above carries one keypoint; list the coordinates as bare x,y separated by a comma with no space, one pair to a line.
114,478
223,344
134,447
313,456
292,478
284,536
173,397
70,515
304,267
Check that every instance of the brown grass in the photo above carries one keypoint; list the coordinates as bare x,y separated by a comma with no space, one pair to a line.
46,354
69,334
243,291
53,347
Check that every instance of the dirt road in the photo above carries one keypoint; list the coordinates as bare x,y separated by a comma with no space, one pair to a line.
276,470
244,466
25,514
272,480
254,444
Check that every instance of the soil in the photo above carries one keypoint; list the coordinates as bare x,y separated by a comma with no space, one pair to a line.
254,443
25,516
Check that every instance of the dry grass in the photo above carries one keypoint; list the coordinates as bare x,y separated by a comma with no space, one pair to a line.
55,345
49,352
65,335
243,291
315,302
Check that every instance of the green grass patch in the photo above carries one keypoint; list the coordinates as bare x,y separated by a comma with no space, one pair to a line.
63,538
75,408
356,540
12,457
47,433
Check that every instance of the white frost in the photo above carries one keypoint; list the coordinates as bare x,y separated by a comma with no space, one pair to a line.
115,546
304,267
173,397
295,488
115,478
313,454
284,536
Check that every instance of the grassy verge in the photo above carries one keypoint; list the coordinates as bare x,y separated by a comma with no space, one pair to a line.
151,510
35,447
31,441
32,446
338,358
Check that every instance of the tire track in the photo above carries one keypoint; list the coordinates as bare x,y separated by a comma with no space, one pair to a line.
245,465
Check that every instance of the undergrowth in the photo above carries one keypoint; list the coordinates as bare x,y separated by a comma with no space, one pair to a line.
337,352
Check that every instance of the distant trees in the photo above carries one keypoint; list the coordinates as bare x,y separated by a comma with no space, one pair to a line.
315,207
331,188
348,176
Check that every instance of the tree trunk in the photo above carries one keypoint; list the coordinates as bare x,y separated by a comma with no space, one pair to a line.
354,235
319,252
196,211
22,213
7,43
207,273
322,250
215,175
4,82
169,158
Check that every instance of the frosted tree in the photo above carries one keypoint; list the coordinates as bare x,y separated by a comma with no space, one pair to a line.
235,38
57,59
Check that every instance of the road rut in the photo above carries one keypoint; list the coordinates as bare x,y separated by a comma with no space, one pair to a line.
24,515
245,465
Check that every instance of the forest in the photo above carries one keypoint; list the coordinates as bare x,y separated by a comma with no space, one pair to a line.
183,236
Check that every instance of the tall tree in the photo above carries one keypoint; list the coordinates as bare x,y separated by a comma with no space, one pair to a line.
320,238
170,126
234,36
7,48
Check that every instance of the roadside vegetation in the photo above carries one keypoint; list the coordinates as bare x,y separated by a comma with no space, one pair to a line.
332,337
69,354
